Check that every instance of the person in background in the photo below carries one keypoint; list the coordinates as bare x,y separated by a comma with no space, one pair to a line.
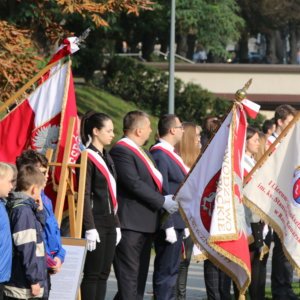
217,283
200,55
54,250
100,222
210,125
140,200
189,149
284,114
29,269
168,239
6,185
260,232
262,146
268,127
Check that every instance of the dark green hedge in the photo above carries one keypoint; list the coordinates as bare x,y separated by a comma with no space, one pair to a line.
148,89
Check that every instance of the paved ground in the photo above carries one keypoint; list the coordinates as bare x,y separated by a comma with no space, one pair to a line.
195,286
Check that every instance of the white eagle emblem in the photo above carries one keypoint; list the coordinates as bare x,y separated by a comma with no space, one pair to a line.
46,137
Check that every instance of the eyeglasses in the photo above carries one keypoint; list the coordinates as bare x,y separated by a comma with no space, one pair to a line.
181,127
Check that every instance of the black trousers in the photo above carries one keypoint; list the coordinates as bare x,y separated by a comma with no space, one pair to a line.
131,264
217,283
98,264
259,267
10,298
282,273
166,265
183,269
258,276
1,291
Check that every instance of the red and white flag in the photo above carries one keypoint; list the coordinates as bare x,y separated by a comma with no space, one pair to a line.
211,200
274,192
41,121
68,47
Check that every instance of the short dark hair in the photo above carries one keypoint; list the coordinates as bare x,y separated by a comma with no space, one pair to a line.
165,123
89,121
283,111
132,118
29,175
31,157
268,124
211,124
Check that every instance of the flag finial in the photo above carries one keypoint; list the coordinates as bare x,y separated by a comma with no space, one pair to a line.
242,93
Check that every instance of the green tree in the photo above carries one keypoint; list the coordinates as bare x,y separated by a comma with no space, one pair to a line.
277,19
213,23
32,27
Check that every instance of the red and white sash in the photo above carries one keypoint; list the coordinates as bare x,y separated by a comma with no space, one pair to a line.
248,164
111,182
155,174
169,150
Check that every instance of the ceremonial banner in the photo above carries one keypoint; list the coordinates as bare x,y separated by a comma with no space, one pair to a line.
38,122
210,200
274,192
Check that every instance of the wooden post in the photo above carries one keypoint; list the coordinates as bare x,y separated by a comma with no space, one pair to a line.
64,173
81,190
66,185
71,206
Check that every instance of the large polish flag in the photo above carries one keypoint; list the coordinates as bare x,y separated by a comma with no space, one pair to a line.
211,199
40,121
274,190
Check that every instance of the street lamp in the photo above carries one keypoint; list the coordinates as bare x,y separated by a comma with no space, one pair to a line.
172,60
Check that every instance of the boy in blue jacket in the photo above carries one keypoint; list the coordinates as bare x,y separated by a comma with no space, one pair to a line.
6,185
29,269
55,252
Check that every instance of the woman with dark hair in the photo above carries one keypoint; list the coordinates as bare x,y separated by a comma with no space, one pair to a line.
100,223
260,232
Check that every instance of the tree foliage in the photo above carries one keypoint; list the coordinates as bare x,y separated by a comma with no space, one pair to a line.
18,60
277,20
148,89
215,23
96,11
34,26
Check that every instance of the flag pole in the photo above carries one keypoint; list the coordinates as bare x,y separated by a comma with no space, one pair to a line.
240,95
272,147
25,87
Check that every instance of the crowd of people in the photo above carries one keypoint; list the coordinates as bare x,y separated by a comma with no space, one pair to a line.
128,209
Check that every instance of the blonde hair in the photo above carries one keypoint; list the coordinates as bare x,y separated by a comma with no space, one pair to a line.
187,148
4,168
262,146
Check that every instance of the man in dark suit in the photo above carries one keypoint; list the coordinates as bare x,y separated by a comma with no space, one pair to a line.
139,186
169,238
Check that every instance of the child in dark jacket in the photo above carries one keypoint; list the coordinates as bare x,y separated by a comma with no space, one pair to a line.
6,185
55,252
27,218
